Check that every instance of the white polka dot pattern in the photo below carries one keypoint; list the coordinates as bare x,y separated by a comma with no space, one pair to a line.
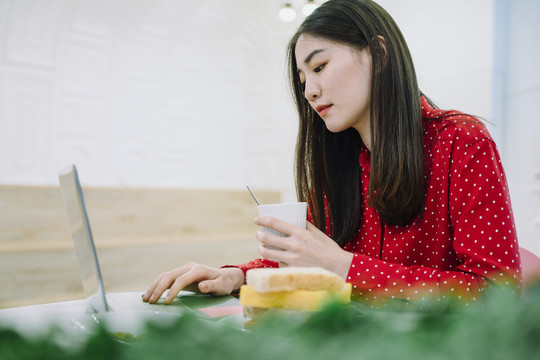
464,240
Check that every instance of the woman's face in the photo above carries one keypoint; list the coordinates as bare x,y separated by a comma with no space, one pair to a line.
337,82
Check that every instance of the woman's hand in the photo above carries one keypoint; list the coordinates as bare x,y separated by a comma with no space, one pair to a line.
210,280
302,247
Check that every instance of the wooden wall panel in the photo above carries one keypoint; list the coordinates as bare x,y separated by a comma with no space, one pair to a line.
139,233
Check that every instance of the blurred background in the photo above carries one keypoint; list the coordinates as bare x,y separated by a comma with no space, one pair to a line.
175,97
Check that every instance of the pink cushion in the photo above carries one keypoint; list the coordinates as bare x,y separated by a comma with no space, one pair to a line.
530,264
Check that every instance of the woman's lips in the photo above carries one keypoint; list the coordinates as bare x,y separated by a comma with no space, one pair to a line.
323,109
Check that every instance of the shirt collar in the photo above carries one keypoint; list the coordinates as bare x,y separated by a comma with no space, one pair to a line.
429,111
365,159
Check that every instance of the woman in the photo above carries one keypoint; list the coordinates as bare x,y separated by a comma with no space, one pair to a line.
406,201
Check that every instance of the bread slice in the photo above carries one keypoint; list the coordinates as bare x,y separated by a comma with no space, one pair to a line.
304,300
293,278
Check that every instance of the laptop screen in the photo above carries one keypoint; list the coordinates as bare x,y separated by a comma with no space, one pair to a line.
82,238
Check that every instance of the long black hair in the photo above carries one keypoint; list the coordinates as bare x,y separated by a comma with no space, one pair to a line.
327,164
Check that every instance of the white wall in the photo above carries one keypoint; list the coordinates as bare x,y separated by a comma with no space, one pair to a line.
517,101
183,93
151,93
451,43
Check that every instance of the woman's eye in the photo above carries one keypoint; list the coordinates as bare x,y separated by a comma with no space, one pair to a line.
318,68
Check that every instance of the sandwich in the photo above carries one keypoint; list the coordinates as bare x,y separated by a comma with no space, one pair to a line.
292,289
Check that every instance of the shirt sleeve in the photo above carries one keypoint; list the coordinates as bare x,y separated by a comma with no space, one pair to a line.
264,263
255,264
485,236
484,239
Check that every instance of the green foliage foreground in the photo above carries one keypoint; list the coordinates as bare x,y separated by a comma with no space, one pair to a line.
501,327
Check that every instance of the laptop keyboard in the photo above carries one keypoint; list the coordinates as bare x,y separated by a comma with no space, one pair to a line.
133,301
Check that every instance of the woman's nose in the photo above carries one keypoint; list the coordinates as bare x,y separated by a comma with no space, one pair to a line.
312,91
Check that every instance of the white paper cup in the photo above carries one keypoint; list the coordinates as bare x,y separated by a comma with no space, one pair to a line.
292,213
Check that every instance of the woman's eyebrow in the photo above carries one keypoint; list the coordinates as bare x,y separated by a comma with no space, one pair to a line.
312,54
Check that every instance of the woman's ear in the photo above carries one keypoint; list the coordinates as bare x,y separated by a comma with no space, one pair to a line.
379,43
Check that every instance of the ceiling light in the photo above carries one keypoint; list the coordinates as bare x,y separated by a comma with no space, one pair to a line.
309,6
287,13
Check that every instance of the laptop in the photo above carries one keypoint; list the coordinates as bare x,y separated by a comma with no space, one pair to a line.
89,267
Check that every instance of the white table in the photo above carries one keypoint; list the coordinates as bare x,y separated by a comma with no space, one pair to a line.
77,318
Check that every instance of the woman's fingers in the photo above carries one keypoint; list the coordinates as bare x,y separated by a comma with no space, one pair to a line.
206,279
282,256
163,282
271,240
146,296
215,287
276,224
196,274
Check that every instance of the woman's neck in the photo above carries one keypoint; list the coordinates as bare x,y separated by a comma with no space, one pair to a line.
364,130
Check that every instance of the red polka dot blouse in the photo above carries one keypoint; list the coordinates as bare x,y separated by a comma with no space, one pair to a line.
466,237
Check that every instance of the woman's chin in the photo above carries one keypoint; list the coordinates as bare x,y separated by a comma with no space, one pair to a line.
334,128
